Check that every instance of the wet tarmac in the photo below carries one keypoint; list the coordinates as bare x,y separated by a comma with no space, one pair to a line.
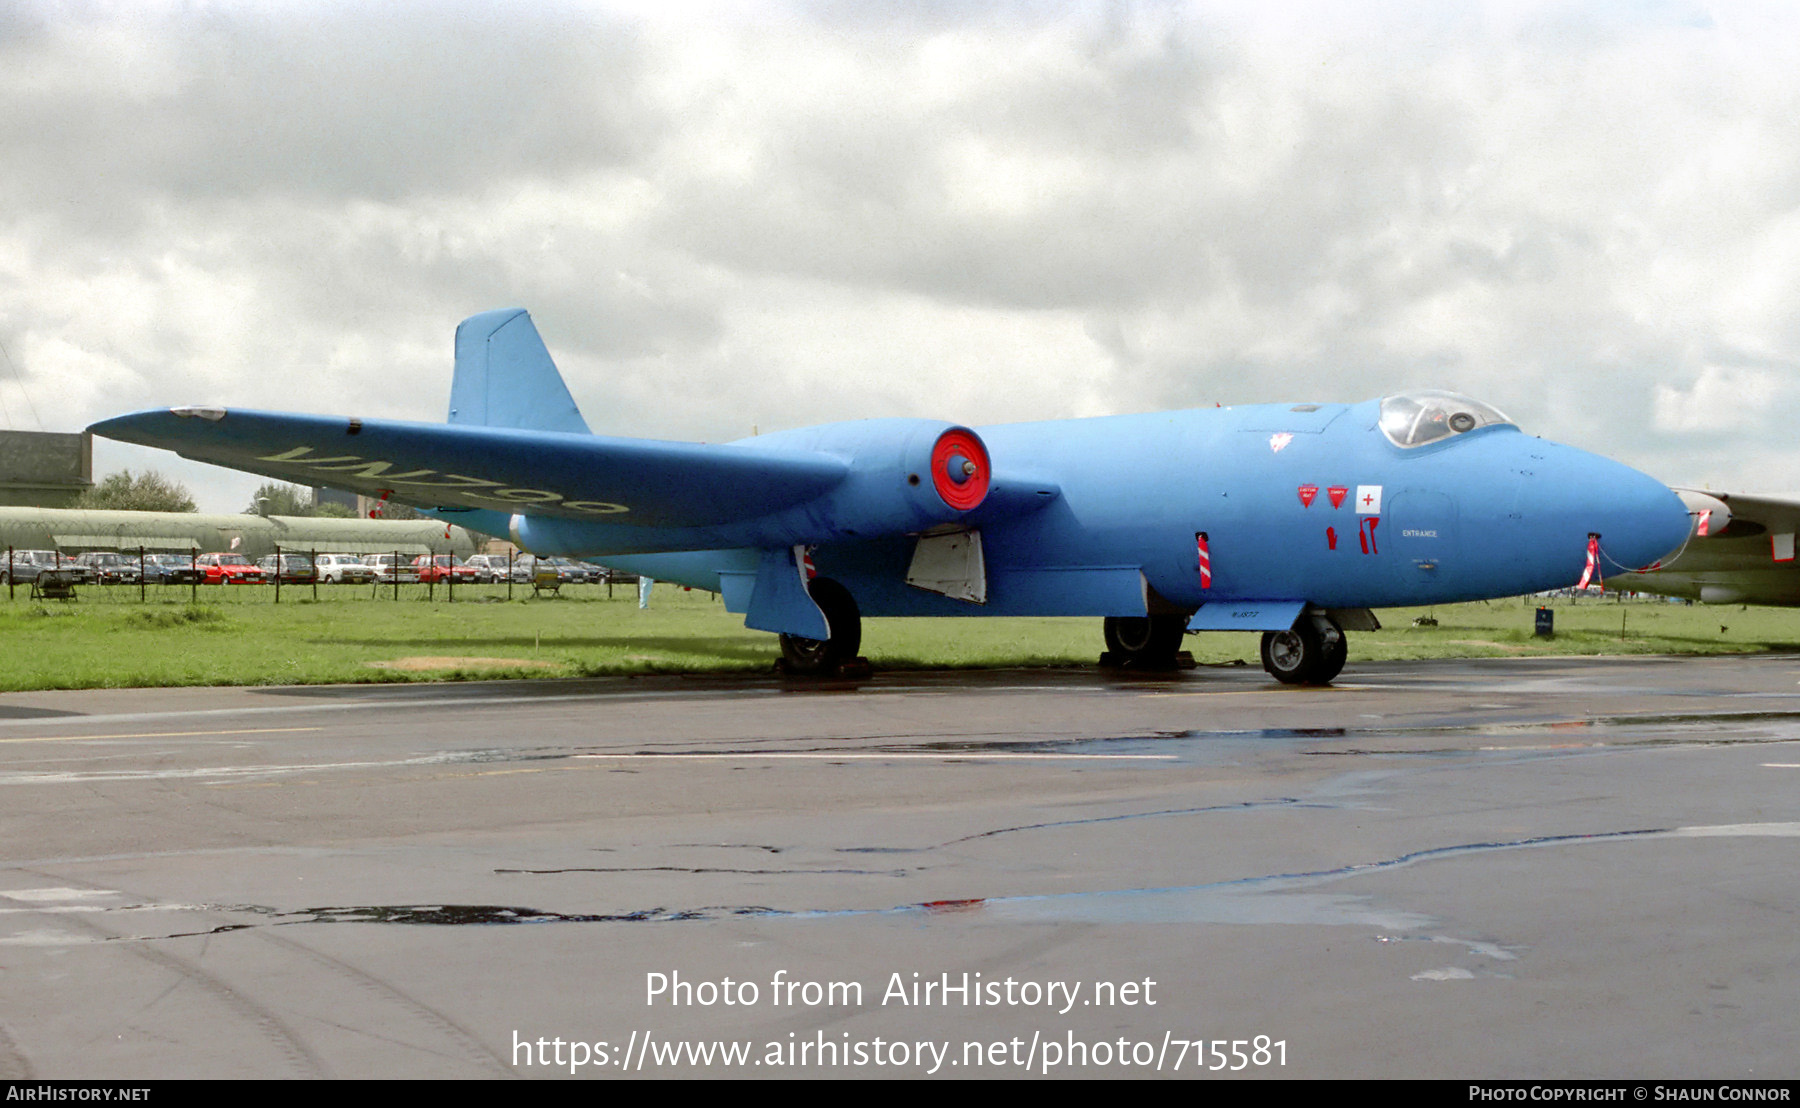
1509,868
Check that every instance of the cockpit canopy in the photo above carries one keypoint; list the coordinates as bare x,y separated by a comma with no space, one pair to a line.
1415,418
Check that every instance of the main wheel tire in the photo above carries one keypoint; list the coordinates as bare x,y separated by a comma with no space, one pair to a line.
1336,653
1149,641
844,622
1311,652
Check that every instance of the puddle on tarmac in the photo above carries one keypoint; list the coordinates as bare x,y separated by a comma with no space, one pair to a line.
462,915
716,869
1156,749
1270,899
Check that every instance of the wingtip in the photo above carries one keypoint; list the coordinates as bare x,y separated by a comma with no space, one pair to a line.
133,426
110,428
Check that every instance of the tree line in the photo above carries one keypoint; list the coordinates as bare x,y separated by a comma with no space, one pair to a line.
150,491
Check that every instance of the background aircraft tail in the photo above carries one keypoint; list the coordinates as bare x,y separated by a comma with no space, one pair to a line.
505,378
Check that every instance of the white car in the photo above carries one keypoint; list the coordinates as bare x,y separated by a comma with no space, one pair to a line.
383,565
344,569
488,567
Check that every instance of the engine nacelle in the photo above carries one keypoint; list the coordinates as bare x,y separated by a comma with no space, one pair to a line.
905,475
899,476
1709,514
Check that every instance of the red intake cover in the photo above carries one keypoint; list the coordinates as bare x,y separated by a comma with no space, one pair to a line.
971,490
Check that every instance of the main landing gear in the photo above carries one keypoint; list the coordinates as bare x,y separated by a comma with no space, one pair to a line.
1144,642
1311,652
826,657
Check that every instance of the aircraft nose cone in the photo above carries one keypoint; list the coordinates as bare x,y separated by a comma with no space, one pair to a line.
1647,521
1575,494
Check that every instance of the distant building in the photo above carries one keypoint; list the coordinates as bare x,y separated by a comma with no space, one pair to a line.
40,469
323,495
73,530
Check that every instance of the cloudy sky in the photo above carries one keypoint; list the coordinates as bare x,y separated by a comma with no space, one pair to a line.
728,217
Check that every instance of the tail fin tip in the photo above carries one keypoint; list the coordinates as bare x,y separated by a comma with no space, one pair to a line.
504,377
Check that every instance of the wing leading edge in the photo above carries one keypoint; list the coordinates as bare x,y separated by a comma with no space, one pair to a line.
636,482
599,494
516,458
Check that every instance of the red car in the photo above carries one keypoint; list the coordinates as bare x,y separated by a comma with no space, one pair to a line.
444,567
229,569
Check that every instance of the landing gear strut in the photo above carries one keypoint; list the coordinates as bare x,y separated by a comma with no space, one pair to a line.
1144,642
1312,652
821,657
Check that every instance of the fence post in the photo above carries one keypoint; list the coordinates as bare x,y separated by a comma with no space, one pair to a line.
140,575
277,573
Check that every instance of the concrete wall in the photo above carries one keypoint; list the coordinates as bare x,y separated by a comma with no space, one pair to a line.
45,469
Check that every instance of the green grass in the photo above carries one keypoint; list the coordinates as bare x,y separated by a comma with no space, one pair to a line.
238,636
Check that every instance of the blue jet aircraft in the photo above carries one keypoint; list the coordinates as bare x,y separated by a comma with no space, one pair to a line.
1290,519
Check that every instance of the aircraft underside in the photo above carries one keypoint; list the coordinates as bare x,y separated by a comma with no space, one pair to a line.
1141,628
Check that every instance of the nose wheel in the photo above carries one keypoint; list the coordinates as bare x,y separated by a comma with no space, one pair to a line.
1312,652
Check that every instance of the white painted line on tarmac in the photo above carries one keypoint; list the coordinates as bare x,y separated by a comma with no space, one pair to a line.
157,735
865,756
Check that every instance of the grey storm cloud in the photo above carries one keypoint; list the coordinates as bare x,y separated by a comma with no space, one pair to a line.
735,217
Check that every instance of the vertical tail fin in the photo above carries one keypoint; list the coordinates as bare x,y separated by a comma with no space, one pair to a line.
505,378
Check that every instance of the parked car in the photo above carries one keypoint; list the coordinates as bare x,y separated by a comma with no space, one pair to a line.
292,569
110,568
386,566
27,565
171,569
619,576
489,567
443,567
601,575
229,569
541,573
343,569
575,573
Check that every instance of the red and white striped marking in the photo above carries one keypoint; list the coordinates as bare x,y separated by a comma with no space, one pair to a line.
1591,571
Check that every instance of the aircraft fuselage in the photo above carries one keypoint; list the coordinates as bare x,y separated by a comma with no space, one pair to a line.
1296,502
